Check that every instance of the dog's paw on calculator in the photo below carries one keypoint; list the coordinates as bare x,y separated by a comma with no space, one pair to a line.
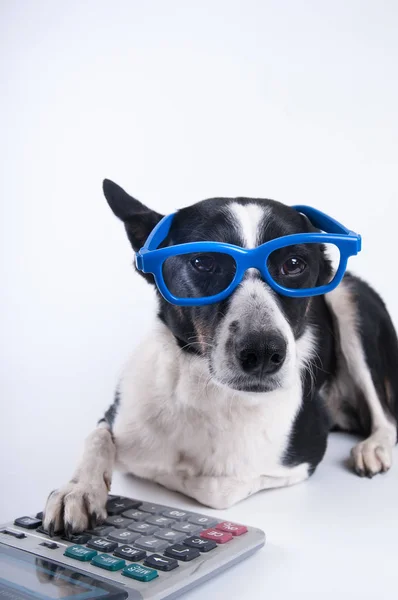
75,507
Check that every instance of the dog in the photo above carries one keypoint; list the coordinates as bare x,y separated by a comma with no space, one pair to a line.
226,399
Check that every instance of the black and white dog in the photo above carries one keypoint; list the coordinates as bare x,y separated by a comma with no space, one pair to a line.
190,414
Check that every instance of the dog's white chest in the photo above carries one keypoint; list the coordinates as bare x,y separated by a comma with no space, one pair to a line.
171,420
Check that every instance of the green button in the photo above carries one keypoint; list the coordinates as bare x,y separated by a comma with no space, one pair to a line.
108,562
80,553
140,573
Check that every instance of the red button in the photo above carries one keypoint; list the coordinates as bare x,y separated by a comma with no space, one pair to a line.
232,528
217,536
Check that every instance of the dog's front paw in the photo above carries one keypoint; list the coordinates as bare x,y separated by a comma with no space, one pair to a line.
75,507
372,456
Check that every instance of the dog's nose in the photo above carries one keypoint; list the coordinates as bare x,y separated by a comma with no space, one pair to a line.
261,354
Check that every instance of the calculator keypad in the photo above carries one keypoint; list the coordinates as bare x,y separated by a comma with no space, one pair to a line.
138,539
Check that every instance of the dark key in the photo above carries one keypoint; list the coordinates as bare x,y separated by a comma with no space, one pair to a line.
186,528
161,521
136,515
200,544
156,561
51,545
123,536
181,552
143,528
102,545
151,543
175,514
130,553
119,505
118,521
44,532
170,535
17,534
153,509
78,538
100,530
203,521
27,522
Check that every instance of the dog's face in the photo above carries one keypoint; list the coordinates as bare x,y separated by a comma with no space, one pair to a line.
250,340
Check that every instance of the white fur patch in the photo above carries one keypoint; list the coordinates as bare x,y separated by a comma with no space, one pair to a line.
185,431
249,217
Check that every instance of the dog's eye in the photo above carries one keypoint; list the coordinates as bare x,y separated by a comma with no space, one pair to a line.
204,263
293,266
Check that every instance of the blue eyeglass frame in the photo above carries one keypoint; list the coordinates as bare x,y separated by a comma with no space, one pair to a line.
150,258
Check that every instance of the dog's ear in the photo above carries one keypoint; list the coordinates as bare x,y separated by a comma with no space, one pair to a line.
138,219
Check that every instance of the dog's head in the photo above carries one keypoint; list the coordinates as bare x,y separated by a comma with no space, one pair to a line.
250,340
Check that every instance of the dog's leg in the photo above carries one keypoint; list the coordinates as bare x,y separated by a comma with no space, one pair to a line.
224,492
81,502
360,349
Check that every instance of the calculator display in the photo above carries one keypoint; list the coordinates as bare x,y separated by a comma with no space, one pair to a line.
24,576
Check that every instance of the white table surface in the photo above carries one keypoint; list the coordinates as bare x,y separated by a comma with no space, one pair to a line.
334,536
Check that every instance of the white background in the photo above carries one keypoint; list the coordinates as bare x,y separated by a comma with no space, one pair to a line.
178,101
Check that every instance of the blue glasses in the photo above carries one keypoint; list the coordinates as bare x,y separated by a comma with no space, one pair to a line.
199,273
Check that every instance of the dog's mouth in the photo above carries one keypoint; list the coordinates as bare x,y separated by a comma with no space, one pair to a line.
241,383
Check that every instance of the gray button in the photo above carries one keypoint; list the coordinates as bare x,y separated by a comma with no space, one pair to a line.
123,536
119,522
135,514
151,543
202,521
143,528
177,515
154,509
169,534
187,528
159,521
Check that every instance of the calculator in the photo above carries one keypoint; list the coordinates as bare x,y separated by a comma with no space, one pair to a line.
141,551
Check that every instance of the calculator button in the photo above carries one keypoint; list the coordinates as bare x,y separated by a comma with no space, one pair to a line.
27,522
80,553
151,543
153,509
159,521
177,515
101,530
202,521
181,552
78,538
161,562
139,573
129,553
108,562
170,535
17,534
44,532
200,544
232,528
119,505
102,545
136,515
117,521
218,536
143,528
123,536
50,545
187,528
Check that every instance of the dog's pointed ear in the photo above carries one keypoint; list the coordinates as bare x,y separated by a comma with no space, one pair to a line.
138,219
